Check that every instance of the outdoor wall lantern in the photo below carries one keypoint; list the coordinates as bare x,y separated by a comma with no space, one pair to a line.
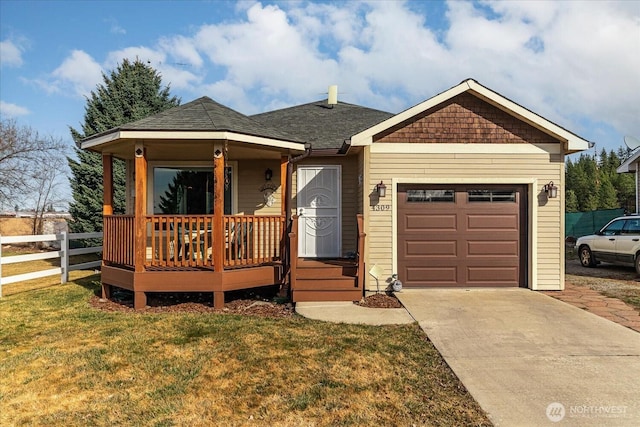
268,174
551,190
381,189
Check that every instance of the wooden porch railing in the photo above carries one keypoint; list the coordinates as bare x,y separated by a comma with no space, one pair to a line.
253,239
179,241
118,238
293,252
175,241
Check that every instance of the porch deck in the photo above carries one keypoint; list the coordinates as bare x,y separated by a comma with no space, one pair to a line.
186,253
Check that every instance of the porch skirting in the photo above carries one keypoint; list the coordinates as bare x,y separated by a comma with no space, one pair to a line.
188,281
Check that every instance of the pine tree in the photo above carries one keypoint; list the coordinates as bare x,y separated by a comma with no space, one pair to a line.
131,92
596,184
607,197
571,203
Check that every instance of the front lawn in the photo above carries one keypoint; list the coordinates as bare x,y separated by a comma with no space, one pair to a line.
63,362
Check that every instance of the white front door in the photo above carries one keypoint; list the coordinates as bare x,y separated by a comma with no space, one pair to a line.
319,211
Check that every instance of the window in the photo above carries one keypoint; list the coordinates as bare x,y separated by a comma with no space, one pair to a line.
491,196
614,228
632,227
429,196
178,190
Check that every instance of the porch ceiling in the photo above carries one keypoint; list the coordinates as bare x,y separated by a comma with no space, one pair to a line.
181,149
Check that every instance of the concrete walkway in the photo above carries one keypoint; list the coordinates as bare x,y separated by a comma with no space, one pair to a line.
348,312
531,360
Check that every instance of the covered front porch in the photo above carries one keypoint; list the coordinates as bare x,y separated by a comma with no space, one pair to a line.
184,253
208,207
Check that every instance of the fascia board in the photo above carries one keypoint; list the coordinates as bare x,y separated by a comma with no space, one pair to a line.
197,135
100,140
366,137
573,142
629,165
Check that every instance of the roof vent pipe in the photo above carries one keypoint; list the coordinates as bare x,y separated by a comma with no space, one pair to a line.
333,95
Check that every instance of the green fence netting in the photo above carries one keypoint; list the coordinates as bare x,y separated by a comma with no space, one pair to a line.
579,224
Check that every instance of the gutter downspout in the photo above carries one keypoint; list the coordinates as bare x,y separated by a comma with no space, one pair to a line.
292,161
285,288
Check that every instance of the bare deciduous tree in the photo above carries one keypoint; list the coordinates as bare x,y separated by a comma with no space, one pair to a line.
22,150
43,188
32,168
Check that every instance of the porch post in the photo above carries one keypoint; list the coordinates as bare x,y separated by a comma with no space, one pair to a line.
284,161
218,209
219,239
107,177
140,244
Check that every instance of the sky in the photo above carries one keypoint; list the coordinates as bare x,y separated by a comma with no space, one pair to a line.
575,63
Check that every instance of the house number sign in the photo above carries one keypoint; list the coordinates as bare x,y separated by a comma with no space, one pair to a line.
381,207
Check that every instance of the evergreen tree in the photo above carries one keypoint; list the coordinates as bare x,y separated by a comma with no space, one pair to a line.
607,197
131,92
594,183
571,203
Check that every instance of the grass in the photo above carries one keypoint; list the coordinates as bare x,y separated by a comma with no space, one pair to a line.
33,266
65,363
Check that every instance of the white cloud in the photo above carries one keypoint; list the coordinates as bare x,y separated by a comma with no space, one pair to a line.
79,73
116,28
584,63
145,54
572,62
267,54
12,110
172,73
10,54
183,50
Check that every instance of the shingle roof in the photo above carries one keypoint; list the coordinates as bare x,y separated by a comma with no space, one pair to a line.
324,126
205,114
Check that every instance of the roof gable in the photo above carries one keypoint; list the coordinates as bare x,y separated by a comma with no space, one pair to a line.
465,119
572,142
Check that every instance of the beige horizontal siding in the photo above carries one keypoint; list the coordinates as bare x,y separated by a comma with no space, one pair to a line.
544,167
250,180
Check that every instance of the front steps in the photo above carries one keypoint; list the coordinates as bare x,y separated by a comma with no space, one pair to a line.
326,280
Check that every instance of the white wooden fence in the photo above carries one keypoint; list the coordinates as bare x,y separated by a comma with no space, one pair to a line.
64,253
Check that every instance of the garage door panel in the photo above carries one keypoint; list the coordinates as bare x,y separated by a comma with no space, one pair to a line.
492,276
430,248
422,222
506,248
432,276
471,237
492,222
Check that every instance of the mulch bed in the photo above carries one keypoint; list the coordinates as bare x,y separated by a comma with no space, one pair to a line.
380,301
262,302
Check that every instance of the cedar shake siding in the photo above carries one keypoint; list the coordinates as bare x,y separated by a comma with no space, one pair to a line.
465,119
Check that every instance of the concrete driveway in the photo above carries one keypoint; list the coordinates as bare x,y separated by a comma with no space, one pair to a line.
530,360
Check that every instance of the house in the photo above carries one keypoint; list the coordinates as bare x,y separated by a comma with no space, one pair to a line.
630,165
464,189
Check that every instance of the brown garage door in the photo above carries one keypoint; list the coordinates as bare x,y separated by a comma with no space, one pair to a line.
462,236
